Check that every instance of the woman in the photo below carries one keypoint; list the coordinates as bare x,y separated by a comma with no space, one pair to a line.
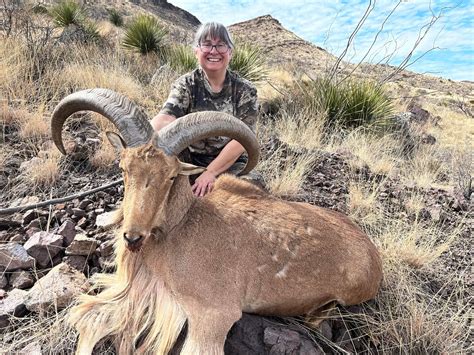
212,87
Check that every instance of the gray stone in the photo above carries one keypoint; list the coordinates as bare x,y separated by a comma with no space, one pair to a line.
78,262
84,203
57,289
14,257
67,230
326,330
12,305
3,280
44,246
21,279
79,212
82,245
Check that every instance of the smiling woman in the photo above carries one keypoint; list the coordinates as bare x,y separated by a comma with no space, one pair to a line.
212,87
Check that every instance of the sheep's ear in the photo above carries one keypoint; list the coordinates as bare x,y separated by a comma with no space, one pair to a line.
189,169
116,141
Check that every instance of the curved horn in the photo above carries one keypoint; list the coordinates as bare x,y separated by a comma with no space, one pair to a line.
193,127
129,119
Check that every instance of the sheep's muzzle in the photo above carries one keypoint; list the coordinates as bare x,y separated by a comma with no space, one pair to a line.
133,240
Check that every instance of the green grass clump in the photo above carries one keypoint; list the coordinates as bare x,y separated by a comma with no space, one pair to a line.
348,105
115,17
181,58
248,61
67,13
144,35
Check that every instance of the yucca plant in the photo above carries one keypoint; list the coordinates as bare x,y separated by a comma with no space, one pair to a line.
248,61
181,58
115,17
67,13
349,104
144,35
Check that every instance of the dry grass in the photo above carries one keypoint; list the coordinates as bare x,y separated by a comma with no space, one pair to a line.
424,169
34,126
363,205
302,129
44,170
105,156
381,154
81,76
287,178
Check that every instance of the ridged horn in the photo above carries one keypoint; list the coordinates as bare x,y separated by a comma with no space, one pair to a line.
186,130
129,119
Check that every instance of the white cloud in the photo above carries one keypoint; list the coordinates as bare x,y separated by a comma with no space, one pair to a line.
317,21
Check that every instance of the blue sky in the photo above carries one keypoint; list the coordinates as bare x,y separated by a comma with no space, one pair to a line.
329,24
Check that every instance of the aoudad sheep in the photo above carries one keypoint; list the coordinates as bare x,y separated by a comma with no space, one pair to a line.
204,261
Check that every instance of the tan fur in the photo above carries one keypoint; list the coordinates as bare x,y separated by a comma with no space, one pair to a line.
209,259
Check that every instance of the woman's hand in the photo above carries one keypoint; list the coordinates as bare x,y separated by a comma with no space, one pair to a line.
204,184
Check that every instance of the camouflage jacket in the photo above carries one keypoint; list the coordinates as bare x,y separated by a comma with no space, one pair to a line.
192,93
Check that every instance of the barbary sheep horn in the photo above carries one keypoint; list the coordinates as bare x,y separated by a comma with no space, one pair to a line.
135,129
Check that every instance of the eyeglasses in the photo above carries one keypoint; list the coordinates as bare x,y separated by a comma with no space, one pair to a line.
220,48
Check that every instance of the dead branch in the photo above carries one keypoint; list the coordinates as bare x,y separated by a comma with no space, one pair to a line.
11,210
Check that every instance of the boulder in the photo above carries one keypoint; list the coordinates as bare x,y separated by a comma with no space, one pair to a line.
3,281
14,257
254,334
67,230
82,245
57,289
12,305
44,246
21,279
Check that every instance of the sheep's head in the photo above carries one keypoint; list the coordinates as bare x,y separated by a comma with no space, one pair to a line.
149,160
149,175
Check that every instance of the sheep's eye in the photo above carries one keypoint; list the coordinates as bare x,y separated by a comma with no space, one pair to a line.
172,178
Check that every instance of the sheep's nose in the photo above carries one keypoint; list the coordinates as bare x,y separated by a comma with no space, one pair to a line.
132,239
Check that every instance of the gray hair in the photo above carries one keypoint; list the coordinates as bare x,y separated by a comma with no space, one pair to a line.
213,30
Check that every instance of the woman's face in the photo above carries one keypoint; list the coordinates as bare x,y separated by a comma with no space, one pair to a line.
213,55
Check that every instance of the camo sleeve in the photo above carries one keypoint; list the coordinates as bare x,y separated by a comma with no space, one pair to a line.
247,107
178,101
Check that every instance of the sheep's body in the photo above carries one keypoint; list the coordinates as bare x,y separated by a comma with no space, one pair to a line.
236,250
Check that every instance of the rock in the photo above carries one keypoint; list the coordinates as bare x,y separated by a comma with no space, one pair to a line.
57,289
83,223
3,280
18,238
84,203
12,305
14,257
254,335
79,213
7,224
44,246
326,330
67,230
29,216
21,279
82,245
77,262
39,223
280,341
105,219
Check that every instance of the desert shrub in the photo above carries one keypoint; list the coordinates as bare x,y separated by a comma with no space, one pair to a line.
181,58
115,17
348,105
144,35
248,61
67,13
